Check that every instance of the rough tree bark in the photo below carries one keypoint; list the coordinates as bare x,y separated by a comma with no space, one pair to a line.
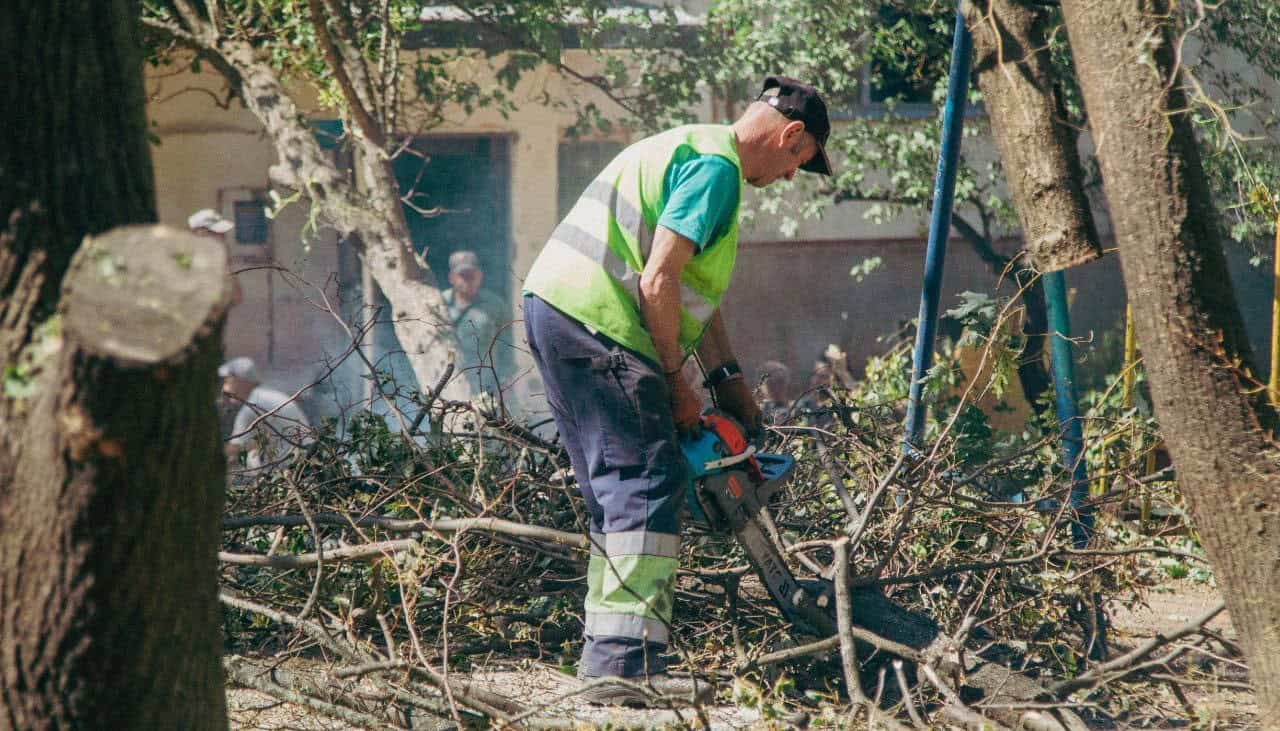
370,213
111,521
110,474
1037,148
1212,416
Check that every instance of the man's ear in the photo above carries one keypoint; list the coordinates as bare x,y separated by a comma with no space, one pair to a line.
791,133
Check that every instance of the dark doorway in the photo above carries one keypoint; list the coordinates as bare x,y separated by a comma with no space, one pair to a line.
464,182
457,193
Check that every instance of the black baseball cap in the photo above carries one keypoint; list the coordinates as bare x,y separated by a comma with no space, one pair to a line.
799,101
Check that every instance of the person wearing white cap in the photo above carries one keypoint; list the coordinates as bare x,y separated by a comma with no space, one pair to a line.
268,423
476,315
208,222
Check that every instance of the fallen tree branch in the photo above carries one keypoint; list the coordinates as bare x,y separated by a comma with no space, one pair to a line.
1133,657
1041,555
485,702
315,688
844,621
403,525
257,679
381,549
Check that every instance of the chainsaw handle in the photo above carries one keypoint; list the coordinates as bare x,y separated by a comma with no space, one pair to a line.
731,460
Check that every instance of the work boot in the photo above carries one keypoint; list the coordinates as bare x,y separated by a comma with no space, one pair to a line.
664,691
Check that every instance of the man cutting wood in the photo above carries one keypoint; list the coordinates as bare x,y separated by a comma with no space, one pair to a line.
627,287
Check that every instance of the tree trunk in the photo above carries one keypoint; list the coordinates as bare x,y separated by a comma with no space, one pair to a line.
110,477
1211,412
1033,376
73,147
1037,148
112,520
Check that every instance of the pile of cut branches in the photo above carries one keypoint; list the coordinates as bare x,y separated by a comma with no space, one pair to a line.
402,554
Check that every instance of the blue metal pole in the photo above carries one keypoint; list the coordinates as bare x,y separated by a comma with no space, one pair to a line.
944,188
1069,421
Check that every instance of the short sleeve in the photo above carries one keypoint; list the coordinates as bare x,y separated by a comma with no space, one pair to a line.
702,198
240,433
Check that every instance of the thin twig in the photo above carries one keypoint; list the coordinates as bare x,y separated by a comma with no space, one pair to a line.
409,525
1136,655
844,621
381,549
907,700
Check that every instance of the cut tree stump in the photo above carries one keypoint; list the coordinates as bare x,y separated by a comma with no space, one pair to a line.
110,526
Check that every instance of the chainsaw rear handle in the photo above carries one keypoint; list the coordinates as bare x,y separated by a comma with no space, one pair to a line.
731,460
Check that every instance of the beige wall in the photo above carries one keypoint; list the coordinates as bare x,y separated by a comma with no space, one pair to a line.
208,157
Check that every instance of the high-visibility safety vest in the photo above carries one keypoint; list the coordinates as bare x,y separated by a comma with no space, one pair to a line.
590,267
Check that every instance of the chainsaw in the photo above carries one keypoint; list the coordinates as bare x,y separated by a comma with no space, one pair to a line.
729,491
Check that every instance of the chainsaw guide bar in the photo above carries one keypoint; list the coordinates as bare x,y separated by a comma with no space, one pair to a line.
730,491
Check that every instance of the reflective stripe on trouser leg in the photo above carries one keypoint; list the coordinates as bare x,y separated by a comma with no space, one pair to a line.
630,580
630,596
629,601
635,542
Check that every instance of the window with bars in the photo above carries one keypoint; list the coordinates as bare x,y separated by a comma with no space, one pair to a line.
251,222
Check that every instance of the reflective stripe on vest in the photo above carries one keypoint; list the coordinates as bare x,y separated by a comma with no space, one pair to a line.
599,251
590,268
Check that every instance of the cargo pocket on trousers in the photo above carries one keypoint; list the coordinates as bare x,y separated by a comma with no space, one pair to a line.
623,433
606,416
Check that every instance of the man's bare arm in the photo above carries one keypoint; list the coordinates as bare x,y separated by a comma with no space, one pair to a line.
732,393
660,307
714,349
660,295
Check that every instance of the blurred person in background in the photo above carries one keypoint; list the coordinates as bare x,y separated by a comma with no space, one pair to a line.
477,315
775,392
830,372
268,422
208,222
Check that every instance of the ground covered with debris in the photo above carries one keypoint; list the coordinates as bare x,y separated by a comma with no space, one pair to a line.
428,572
1218,700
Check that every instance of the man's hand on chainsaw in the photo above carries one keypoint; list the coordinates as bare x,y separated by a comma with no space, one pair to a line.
686,407
735,397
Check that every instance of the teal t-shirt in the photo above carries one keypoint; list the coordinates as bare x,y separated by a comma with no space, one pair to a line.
701,196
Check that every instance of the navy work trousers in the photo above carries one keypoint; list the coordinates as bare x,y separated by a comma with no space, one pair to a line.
613,411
